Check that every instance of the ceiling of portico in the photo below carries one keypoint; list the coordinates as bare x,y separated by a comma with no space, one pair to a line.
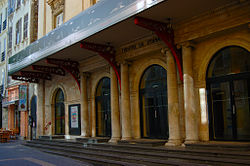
126,31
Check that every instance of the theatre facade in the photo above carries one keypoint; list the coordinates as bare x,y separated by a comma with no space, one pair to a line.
145,69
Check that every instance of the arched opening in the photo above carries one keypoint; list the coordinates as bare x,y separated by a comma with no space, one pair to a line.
153,103
59,113
228,84
103,110
33,116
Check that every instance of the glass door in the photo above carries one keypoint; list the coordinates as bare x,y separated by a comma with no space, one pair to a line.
230,103
241,108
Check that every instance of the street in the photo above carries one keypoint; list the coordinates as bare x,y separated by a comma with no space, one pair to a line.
13,154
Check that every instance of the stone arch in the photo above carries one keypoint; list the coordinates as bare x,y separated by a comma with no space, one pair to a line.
135,83
208,53
52,104
215,47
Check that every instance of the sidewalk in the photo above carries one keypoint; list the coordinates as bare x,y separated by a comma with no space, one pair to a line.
13,154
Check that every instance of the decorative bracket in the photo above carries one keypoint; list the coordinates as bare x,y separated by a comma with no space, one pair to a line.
37,75
26,79
105,51
68,65
166,33
49,69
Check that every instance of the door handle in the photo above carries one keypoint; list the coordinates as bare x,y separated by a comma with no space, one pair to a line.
106,117
155,114
234,109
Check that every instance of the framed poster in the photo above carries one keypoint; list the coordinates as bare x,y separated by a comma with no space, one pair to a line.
23,97
74,119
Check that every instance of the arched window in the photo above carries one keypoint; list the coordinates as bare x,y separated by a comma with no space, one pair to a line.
228,82
153,103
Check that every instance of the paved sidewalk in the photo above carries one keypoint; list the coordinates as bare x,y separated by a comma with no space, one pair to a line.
15,154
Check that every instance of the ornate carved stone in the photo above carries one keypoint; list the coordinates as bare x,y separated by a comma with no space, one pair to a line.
57,6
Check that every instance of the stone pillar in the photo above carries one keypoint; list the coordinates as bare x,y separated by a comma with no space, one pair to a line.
66,119
84,106
40,107
191,120
115,113
93,117
125,102
173,102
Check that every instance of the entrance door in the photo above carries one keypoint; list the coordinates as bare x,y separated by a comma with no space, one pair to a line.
103,109
230,102
153,103
33,117
59,113
228,82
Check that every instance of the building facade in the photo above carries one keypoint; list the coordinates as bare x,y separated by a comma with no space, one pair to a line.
22,31
3,51
123,70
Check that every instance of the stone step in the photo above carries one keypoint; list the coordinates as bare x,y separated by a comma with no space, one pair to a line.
156,155
235,146
93,140
131,159
52,137
143,142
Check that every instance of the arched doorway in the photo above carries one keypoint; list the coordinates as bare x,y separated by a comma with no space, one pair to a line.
33,117
59,113
153,103
228,84
103,110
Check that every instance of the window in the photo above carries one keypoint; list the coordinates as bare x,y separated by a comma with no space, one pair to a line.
10,38
5,20
4,48
11,6
18,3
25,26
1,22
18,31
59,20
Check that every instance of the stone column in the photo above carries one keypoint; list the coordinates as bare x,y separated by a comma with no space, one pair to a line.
93,117
66,120
84,106
115,113
125,102
40,108
189,96
173,102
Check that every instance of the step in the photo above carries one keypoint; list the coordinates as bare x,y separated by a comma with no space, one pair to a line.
52,137
236,146
93,140
159,155
115,157
143,142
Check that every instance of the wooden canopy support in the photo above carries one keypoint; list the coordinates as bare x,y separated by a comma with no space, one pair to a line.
68,65
37,75
105,51
49,69
166,33
26,79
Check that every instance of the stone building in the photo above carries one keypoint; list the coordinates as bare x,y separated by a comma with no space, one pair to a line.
145,69
22,31
3,60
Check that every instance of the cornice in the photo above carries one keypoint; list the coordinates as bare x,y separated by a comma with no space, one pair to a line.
219,19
